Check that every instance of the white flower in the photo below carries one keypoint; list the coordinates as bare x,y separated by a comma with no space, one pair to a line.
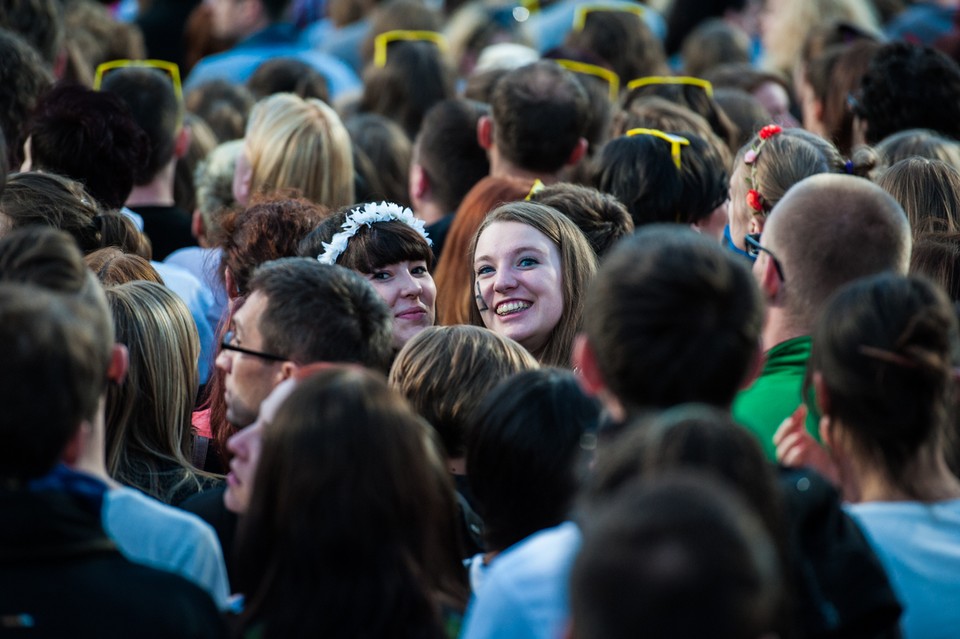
368,215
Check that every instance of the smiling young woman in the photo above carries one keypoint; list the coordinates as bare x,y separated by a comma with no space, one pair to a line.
531,267
384,243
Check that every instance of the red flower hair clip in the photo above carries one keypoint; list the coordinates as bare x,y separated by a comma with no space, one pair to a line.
751,157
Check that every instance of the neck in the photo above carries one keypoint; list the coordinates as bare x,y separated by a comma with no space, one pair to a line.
780,326
429,211
157,192
92,458
501,167
457,465
927,478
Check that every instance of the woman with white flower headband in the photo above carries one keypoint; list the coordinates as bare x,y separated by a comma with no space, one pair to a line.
385,243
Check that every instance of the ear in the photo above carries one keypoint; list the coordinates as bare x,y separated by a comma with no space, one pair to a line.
419,182
585,364
119,364
769,279
233,292
756,224
485,132
197,228
821,393
287,370
818,110
182,144
578,152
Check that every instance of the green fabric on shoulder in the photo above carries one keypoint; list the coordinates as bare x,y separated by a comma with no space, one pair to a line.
776,394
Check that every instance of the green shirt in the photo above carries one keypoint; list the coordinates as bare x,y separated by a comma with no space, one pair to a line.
776,393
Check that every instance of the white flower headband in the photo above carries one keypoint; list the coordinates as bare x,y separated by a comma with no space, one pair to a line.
368,215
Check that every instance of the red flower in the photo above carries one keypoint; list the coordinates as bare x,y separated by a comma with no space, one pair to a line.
769,131
754,201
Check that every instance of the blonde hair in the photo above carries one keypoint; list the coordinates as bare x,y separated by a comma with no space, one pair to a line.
784,42
293,143
578,263
148,431
445,372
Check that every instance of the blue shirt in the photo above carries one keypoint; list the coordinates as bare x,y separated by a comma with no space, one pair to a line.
276,41
525,593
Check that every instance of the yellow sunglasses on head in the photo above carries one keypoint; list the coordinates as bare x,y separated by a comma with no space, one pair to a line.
676,141
608,76
381,42
583,10
170,68
652,80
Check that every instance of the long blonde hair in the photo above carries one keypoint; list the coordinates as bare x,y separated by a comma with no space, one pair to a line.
298,144
148,428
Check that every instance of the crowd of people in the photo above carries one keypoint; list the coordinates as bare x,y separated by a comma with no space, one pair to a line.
480,319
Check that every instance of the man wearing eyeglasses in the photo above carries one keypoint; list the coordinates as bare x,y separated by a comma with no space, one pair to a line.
827,231
298,312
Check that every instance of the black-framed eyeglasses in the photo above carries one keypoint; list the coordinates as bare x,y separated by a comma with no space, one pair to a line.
228,345
752,242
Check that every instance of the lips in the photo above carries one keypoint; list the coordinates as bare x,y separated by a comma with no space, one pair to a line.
512,307
411,313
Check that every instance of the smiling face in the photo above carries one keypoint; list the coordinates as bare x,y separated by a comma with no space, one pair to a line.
409,291
519,283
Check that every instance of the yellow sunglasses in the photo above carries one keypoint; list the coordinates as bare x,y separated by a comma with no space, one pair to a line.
671,79
608,76
583,10
676,141
381,42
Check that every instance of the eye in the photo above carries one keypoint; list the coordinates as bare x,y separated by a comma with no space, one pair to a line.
418,269
527,261
381,276
484,270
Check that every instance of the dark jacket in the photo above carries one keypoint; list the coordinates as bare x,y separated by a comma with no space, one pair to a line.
60,576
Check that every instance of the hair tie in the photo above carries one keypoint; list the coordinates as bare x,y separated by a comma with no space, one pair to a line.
368,215
848,167
754,199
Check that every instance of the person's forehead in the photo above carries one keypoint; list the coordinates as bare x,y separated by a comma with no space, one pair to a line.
247,318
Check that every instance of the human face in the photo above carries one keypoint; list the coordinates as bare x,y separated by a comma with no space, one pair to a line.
738,211
712,225
409,291
248,379
245,446
519,283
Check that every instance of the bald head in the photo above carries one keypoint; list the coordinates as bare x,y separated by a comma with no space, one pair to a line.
832,229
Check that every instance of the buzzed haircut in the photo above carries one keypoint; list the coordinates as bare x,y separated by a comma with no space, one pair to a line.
448,151
540,112
155,107
829,230
321,313
672,318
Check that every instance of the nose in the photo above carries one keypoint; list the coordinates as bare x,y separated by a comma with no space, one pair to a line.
224,360
410,286
236,442
505,280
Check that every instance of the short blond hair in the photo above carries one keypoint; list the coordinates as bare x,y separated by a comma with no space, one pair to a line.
300,144
445,372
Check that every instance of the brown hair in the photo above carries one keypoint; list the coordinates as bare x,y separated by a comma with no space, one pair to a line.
578,264
112,266
928,191
454,274
446,371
